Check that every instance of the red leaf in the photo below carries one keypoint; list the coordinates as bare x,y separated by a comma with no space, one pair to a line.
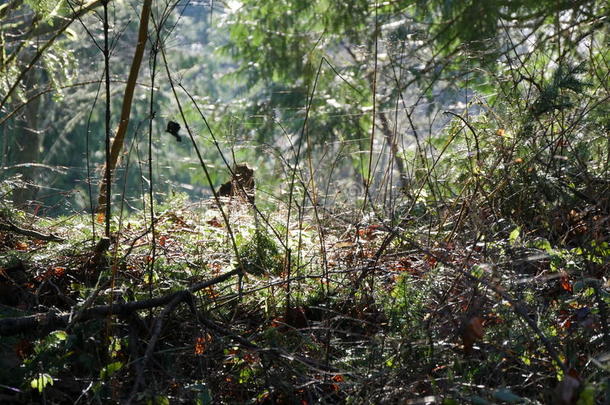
59,271
565,282
338,378
277,322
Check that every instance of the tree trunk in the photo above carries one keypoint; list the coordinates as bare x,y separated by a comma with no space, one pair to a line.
26,147
119,139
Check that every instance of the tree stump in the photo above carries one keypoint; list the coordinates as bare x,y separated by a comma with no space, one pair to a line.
241,184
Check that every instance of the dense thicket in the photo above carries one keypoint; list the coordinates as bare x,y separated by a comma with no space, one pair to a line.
315,201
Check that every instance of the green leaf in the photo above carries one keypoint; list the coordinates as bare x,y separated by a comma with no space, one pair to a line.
587,396
110,369
158,400
514,235
478,271
41,381
544,245
60,335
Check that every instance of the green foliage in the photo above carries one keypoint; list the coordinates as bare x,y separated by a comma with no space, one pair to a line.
552,98
110,369
259,254
204,395
279,38
47,9
406,305
41,382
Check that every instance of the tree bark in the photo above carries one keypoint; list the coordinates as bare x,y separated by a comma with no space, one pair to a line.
119,139
27,146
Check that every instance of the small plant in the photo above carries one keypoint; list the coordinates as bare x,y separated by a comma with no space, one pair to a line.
260,255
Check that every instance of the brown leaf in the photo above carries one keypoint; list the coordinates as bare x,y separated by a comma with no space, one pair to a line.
214,222
59,271
472,330
22,246
202,343
565,282
370,232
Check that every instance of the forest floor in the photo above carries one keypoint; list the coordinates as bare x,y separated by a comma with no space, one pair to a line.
329,307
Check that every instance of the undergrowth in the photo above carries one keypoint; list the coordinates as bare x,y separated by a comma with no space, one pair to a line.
487,284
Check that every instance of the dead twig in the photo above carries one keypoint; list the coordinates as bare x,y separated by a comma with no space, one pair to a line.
54,319
30,233
150,348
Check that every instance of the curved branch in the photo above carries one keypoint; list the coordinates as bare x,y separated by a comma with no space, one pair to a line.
43,322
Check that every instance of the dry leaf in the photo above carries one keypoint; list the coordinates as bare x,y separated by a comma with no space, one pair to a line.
338,378
472,330
59,271
214,222
369,233
21,246
565,282
344,245
201,343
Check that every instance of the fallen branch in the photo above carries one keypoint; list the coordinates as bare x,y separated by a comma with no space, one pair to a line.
141,368
51,320
10,227
186,296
